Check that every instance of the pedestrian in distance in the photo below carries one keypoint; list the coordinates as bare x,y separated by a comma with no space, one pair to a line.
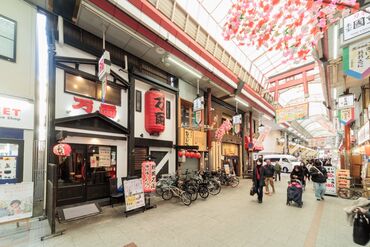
259,179
269,176
318,177
277,169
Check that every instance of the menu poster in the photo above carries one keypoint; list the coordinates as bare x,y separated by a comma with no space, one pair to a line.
331,186
8,168
342,178
16,201
104,156
134,194
93,161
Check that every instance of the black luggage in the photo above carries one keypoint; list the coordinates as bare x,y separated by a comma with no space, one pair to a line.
294,193
361,229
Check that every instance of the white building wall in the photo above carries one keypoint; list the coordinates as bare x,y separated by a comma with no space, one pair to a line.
18,78
270,144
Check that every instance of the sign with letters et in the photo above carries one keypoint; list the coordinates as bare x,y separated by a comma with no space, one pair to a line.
16,113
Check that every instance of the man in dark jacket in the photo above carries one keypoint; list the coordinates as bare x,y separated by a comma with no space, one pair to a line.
269,176
259,179
318,177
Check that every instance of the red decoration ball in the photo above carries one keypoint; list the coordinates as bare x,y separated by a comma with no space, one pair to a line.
180,154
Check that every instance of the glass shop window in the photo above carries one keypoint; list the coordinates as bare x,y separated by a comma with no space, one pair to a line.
91,89
186,114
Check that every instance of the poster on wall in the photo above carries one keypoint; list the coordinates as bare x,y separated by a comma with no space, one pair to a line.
331,185
291,113
8,168
134,194
16,201
104,156
93,161
342,178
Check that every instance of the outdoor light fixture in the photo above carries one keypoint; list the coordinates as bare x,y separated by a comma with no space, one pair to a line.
191,71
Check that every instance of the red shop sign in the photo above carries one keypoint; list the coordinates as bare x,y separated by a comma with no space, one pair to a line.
87,105
148,177
62,149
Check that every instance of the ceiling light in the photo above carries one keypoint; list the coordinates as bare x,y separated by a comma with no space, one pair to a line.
180,64
242,102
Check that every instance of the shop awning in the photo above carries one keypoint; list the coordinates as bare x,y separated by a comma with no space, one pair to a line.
92,122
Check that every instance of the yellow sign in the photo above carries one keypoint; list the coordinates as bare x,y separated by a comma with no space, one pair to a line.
200,140
291,113
188,137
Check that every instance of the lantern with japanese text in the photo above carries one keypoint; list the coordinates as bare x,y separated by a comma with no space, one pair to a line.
154,112
148,177
62,149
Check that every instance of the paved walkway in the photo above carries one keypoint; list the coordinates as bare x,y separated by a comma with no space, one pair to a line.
233,218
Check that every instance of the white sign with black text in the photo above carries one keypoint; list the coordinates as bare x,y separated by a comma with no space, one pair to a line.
198,104
16,113
237,119
356,25
346,101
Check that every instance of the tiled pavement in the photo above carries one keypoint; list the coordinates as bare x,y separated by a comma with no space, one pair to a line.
233,218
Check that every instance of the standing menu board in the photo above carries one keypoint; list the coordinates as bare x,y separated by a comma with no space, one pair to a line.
331,185
134,194
16,201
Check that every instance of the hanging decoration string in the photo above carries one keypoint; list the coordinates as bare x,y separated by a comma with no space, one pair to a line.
292,26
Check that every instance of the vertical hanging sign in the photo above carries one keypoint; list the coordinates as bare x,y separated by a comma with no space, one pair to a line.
104,70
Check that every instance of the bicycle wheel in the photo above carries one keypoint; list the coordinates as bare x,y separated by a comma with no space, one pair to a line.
167,194
214,187
186,198
203,191
193,191
345,193
234,181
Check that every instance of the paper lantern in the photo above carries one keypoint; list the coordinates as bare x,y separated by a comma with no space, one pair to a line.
62,149
198,155
180,153
188,154
154,112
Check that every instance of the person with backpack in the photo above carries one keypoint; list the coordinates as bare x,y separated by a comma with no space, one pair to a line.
269,176
318,177
277,168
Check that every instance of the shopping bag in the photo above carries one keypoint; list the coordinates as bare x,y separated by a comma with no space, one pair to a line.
361,229
253,190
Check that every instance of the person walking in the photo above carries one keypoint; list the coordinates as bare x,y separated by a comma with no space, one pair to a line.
277,169
259,179
269,176
318,177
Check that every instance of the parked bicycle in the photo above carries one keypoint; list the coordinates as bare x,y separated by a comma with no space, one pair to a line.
169,191
228,179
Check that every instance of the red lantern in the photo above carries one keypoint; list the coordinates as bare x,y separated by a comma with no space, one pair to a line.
154,112
367,149
188,154
62,149
198,155
180,153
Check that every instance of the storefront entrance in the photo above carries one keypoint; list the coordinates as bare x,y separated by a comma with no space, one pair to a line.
84,175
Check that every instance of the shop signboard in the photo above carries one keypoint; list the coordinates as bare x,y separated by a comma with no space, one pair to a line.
364,133
200,140
331,185
16,113
342,178
134,194
356,25
291,113
104,156
188,137
356,59
237,119
346,115
198,104
16,201
104,65
346,101
198,117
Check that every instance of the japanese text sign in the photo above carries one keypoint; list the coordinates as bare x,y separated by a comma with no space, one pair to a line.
356,59
291,113
356,25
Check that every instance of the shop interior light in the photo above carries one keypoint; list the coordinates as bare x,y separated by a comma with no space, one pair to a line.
180,64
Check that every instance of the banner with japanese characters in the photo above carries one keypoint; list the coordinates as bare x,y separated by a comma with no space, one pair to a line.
356,59
148,176
331,182
134,194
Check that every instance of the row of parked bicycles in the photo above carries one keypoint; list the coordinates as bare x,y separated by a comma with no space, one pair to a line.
190,185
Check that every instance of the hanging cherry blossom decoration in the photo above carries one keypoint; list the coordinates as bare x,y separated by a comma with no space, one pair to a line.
292,26
223,129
